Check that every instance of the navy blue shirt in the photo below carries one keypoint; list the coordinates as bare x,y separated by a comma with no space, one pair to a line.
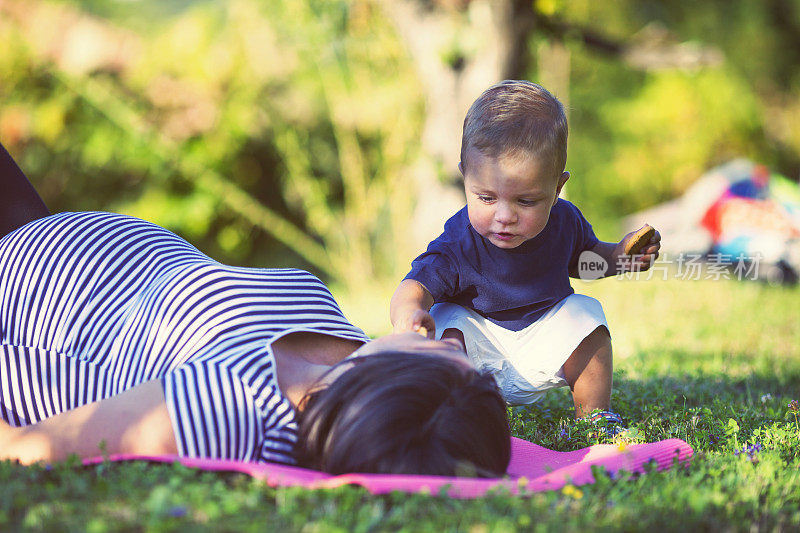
511,287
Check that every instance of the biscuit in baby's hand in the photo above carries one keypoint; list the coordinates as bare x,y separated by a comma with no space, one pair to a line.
639,240
422,330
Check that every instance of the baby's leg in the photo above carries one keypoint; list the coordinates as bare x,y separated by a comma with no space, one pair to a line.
19,202
589,373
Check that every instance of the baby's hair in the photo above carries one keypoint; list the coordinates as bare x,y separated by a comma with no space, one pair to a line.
516,117
406,413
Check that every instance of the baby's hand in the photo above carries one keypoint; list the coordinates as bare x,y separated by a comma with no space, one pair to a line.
638,250
419,321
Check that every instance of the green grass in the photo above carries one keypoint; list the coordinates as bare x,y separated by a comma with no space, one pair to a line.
713,363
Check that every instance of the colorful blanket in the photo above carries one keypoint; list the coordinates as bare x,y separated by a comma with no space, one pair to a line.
533,468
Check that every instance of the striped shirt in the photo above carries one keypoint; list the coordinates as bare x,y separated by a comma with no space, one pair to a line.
92,304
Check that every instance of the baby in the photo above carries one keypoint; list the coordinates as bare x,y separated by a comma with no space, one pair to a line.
497,278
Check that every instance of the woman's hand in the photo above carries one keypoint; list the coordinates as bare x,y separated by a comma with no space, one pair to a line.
134,422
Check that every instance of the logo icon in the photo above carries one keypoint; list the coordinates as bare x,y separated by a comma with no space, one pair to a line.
591,266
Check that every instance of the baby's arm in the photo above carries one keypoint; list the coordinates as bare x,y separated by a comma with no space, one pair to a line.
409,308
623,256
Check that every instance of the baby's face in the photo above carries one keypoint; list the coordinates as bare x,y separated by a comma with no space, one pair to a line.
509,197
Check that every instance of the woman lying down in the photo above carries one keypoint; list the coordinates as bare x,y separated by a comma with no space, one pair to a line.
114,330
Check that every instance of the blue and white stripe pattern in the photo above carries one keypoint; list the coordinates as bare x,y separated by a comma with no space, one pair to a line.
92,304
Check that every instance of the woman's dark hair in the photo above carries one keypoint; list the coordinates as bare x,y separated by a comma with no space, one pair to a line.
406,413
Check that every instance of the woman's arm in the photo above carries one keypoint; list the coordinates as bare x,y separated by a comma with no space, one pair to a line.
136,422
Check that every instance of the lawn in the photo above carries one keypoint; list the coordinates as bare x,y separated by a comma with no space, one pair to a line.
715,363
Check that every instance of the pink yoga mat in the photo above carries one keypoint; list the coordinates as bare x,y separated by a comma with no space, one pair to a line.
532,469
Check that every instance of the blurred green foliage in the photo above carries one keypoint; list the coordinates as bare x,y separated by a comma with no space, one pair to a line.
284,133
641,136
248,127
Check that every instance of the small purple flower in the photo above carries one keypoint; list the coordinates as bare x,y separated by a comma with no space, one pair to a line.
750,451
793,406
177,511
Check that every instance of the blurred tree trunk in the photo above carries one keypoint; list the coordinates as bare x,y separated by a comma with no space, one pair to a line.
459,48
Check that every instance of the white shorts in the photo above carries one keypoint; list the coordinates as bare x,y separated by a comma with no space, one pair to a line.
524,363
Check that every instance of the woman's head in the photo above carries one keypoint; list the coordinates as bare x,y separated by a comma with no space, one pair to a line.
409,413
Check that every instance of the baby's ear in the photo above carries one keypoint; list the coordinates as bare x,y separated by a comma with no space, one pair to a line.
561,181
